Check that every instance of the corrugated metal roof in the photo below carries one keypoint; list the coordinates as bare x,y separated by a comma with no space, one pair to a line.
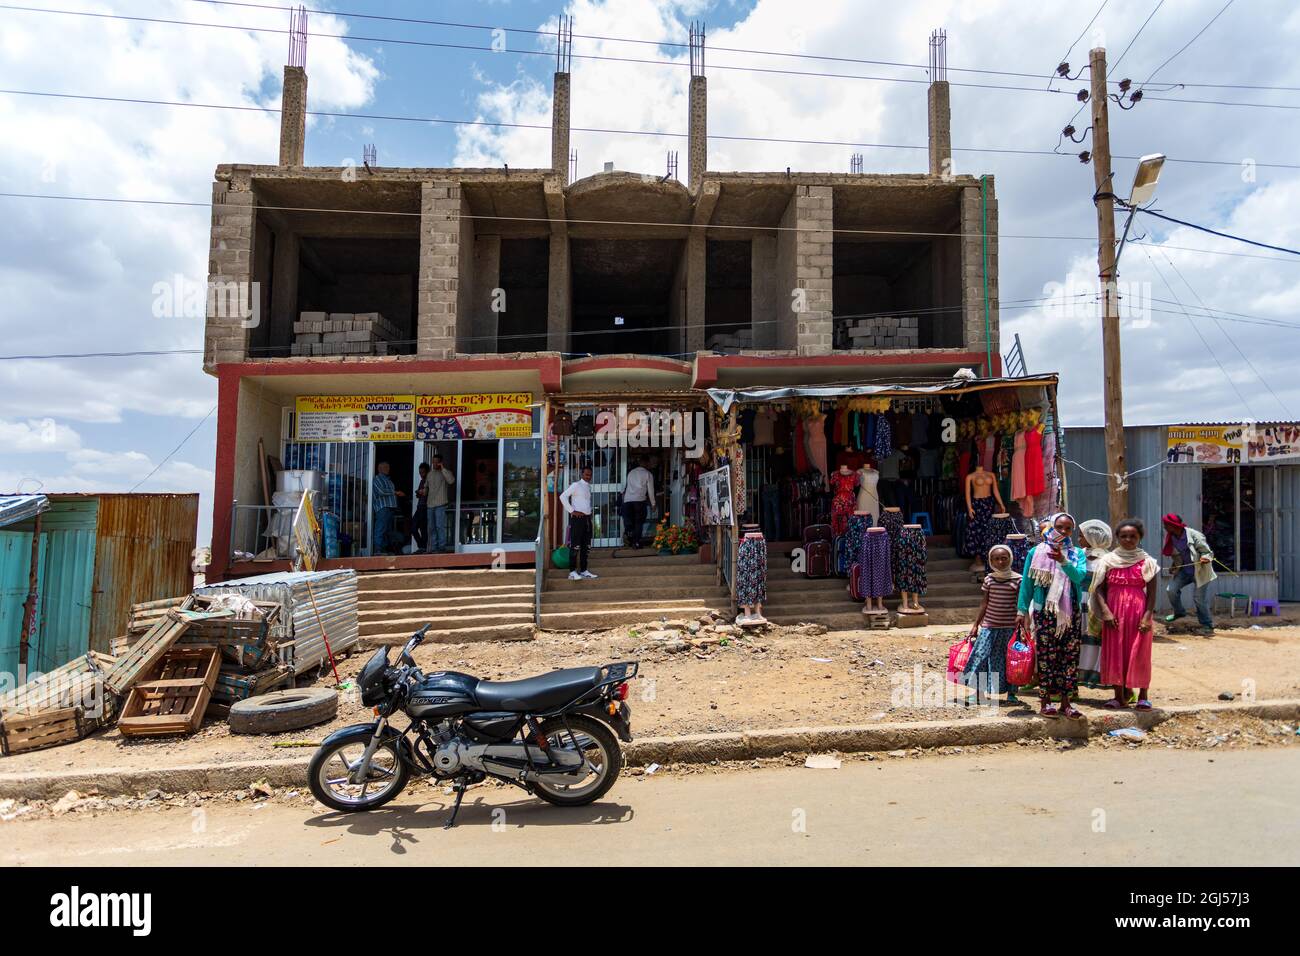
21,507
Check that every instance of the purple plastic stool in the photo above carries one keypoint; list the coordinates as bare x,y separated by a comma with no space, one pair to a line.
1259,605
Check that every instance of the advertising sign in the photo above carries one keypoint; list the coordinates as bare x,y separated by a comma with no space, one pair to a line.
326,418
1274,442
715,497
1205,445
485,415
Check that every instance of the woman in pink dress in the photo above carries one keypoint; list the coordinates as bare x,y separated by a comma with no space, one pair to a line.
1124,595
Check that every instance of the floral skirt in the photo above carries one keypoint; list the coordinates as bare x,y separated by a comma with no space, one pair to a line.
875,578
849,545
982,534
751,572
909,561
1057,654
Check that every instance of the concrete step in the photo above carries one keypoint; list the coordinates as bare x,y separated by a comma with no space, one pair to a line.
460,635
435,579
631,569
435,600
588,591
442,612
622,601
450,622
636,583
389,595
597,619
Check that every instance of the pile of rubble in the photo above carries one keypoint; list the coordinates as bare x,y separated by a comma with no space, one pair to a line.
709,632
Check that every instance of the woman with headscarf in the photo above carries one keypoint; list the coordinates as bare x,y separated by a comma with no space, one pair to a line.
1050,601
1095,539
1124,597
994,626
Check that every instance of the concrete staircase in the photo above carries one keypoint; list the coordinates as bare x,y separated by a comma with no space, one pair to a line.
633,587
471,605
794,599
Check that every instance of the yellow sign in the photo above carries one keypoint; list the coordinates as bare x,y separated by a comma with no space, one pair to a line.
325,418
1205,444
481,415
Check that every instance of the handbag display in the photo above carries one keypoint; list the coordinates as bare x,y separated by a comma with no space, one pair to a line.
562,424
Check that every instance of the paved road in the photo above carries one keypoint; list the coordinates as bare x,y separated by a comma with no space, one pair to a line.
1010,806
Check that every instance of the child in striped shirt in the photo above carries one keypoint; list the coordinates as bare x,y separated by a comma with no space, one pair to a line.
995,625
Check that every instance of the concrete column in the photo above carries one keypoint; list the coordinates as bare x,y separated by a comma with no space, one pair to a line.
438,306
765,305
284,290
559,308
973,269
698,133
696,289
805,271
940,121
230,267
560,128
293,116
487,279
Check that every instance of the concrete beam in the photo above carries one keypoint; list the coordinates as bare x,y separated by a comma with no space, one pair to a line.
293,116
553,192
705,201
559,305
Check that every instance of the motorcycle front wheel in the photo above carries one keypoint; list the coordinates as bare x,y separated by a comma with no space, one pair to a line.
602,761
330,769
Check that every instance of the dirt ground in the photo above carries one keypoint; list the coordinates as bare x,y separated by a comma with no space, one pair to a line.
781,677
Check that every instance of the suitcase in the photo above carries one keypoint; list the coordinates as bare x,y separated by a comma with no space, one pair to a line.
855,582
817,555
817,532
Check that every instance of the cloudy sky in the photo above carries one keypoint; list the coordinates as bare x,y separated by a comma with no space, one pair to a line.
1212,320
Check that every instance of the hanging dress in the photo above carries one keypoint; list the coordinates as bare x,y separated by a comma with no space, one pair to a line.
1018,485
814,431
1035,482
843,503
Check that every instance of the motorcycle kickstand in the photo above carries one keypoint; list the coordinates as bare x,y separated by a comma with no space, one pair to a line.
460,787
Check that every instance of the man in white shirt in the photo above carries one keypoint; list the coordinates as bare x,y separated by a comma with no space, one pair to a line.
576,500
638,497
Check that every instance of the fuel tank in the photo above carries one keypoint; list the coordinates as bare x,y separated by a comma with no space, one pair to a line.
443,694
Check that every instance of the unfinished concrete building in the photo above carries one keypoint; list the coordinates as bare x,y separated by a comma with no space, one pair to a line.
408,282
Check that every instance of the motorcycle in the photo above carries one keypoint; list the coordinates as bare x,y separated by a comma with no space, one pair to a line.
553,735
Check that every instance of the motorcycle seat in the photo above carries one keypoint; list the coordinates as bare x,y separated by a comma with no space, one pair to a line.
537,693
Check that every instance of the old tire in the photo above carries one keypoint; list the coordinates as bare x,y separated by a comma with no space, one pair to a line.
283,710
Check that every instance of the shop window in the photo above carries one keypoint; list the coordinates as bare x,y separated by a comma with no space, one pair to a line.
1228,515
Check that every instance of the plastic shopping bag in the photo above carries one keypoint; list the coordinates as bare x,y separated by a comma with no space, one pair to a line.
958,655
1020,659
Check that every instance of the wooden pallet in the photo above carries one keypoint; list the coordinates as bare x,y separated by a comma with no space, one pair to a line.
174,695
149,650
244,643
35,731
75,684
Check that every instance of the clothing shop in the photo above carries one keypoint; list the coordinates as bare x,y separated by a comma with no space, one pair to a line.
893,456
1237,483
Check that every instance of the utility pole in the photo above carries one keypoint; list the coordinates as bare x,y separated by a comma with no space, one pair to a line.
1117,482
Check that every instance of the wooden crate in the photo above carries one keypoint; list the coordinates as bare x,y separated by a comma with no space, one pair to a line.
35,731
173,696
148,651
232,685
244,643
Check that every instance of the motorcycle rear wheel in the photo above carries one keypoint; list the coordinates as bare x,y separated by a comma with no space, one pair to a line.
328,773
604,761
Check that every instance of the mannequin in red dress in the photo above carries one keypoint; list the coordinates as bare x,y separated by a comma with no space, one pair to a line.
843,483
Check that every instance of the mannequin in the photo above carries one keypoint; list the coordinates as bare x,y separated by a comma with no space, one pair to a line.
848,546
1019,545
877,579
981,494
868,496
911,576
842,484
751,577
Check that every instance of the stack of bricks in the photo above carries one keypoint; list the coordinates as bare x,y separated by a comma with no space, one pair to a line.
343,333
878,332
739,339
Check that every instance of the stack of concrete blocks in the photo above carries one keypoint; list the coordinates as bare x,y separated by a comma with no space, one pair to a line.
343,333
740,339
879,332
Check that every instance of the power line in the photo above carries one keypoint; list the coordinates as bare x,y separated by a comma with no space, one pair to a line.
330,114
1215,232
1219,322
1189,42
627,222
1199,335
1115,65
1077,39
174,450
712,48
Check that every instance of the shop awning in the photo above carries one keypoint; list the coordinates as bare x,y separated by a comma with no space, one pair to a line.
15,508
726,397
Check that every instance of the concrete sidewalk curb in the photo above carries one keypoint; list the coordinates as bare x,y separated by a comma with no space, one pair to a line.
694,748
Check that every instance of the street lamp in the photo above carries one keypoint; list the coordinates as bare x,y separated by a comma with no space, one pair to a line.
1144,187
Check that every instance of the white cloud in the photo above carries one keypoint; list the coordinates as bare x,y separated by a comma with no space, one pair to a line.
37,435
